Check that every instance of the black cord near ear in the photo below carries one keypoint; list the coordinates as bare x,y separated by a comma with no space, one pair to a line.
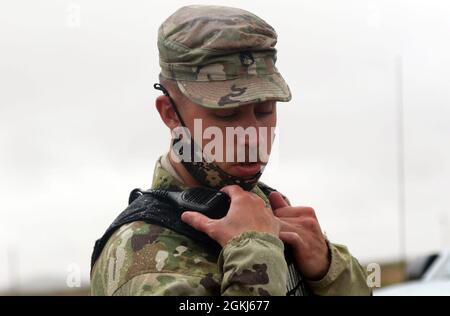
160,87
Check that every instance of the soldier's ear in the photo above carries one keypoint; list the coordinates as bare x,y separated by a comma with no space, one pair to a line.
166,112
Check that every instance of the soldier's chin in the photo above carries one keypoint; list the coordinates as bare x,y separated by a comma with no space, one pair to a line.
245,170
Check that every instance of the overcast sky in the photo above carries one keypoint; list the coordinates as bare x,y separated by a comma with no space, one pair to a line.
79,130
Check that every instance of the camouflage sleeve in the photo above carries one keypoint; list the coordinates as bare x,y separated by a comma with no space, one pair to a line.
344,277
252,264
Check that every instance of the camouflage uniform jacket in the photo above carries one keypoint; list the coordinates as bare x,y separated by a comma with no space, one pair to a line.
145,259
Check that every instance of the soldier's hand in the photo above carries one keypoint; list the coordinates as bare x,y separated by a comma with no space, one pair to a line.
247,212
301,230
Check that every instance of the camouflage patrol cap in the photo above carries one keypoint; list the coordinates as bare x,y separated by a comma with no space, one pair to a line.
221,56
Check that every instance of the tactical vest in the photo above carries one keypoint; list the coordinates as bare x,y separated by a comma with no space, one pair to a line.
149,209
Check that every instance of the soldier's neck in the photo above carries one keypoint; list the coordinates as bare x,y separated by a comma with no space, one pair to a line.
188,180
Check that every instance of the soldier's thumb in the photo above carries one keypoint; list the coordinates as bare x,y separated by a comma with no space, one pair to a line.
197,220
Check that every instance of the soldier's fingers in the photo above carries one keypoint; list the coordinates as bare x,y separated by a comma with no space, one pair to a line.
232,190
292,239
290,220
287,227
277,200
300,225
197,220
293,226
297,211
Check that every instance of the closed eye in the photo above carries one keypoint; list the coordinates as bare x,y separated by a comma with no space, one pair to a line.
225,113
265,108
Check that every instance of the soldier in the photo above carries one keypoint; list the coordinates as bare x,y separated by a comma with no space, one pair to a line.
218,65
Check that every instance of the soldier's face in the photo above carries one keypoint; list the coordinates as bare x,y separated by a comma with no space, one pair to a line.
260,117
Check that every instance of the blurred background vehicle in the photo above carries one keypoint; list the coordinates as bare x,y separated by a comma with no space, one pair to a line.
427,275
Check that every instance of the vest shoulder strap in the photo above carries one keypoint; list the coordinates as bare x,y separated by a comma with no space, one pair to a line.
155,211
